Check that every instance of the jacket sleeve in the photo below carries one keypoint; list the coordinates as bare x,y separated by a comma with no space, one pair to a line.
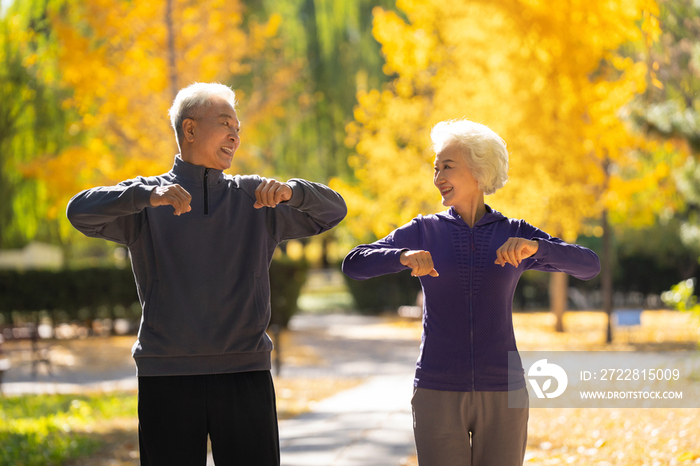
383,257
554,255
110,212
313,209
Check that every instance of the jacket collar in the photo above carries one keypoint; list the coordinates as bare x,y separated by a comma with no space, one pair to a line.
195,173
490,216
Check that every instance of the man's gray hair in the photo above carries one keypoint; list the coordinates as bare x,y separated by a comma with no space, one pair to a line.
193,101
484,151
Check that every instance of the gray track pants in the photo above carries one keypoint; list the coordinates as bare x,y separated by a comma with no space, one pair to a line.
444,422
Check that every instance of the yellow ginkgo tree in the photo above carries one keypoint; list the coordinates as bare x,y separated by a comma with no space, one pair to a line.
124,62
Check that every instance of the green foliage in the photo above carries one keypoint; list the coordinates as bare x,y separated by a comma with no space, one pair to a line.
32,121
84,293
652,259
384,293
66,290
329,43
49,429
287,277
681,297
670,107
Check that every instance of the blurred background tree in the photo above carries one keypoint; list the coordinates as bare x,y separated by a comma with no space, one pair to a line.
670,111
32,121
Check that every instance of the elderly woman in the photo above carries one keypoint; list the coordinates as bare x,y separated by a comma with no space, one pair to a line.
469,260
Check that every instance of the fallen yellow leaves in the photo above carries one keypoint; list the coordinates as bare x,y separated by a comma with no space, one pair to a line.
598,436
299,395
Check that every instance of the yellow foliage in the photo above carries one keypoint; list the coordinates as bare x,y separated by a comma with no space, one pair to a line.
115,56
545,76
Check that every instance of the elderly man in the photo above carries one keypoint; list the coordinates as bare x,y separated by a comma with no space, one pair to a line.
201,243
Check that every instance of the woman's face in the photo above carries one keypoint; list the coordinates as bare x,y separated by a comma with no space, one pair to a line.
454,179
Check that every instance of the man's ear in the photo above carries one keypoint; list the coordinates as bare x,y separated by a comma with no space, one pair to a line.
188,126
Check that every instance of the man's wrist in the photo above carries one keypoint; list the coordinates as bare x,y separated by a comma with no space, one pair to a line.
142,196
297,194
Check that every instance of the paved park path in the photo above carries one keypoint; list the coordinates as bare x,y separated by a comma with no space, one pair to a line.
370,425
367,425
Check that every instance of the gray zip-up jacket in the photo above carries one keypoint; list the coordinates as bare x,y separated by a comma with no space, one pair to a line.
202,277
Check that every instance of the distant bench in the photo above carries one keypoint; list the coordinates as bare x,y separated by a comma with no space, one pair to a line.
40,353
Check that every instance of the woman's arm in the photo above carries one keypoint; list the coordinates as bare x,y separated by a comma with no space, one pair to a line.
384,256
555,255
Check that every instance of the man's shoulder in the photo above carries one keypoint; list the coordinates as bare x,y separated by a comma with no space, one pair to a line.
156,180
246,183
243,181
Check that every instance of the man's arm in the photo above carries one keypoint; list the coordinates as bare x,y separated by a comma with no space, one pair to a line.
111,212
311,209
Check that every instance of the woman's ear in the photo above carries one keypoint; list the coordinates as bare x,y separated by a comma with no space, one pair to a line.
188,126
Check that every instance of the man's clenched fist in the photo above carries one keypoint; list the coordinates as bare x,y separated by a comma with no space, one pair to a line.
174,195
271,192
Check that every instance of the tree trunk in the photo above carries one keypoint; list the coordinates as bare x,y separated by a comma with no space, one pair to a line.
172,67
558,294
606,275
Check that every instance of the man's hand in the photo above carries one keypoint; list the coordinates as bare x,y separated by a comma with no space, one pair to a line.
174,195
420,262
515,250
271,192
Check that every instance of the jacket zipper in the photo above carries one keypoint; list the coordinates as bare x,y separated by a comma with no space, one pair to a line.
206,191
471,303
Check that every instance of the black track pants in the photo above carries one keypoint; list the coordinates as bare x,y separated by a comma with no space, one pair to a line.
237,411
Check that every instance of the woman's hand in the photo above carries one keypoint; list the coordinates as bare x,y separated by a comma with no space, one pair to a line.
420,262
515,250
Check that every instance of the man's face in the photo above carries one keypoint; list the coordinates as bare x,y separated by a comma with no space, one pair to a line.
216,136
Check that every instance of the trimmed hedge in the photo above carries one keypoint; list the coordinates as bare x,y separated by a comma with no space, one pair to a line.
79,294
287,277
384,293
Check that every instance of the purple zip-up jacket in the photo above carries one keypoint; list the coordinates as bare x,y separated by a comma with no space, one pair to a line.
467,313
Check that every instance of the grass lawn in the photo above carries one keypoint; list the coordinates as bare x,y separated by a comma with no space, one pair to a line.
51,429
101,429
